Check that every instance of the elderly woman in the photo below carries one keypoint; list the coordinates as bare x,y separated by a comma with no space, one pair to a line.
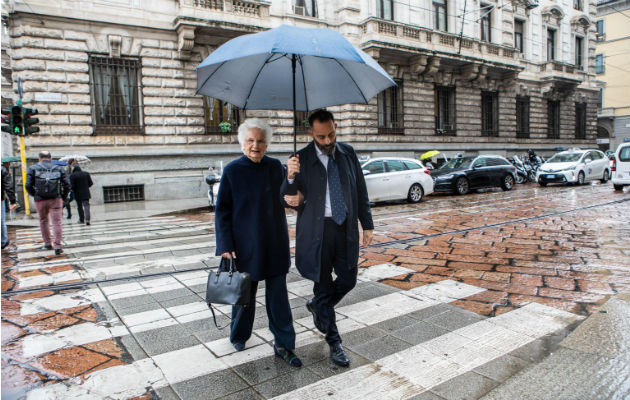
251,225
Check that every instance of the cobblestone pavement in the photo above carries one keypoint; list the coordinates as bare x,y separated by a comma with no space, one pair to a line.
456,295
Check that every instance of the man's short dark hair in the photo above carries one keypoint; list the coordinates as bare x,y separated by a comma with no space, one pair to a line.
45,154
320,115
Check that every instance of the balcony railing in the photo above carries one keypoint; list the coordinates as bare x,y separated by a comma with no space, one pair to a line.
403,34
226,8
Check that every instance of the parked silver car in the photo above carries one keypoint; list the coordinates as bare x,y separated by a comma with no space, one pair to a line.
395,178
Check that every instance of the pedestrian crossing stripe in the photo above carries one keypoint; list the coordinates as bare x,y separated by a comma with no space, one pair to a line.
396,376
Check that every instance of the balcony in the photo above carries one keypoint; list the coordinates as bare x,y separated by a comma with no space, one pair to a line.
240,15
417,40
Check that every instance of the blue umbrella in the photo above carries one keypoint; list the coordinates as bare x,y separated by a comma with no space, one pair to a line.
291,68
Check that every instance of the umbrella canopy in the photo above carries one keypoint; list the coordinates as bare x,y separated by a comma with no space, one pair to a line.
291,68
11,159
429,154
79,158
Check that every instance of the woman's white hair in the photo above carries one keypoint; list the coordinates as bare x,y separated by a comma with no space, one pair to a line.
254,123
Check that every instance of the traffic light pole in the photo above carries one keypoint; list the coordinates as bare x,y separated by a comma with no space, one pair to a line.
27,204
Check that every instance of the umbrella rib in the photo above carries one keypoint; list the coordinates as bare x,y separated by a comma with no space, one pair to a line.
255,79
353,81
210,76
303,82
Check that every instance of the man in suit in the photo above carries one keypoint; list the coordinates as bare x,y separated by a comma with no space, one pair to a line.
331,198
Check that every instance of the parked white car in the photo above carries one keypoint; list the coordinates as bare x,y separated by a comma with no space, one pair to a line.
574,166
621,166
395,178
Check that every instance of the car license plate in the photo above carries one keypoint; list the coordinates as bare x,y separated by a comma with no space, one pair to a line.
551,176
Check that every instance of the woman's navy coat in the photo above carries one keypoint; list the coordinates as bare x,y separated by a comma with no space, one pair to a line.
250,219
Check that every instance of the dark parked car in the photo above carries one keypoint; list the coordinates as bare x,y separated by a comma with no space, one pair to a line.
460,175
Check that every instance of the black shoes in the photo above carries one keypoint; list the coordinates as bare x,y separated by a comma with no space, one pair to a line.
46,247
338,355
239,346
6,244
58,251
316,320
288,356
87,223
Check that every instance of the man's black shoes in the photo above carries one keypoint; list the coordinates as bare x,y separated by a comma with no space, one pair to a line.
58,251
316,321
338,355
46,247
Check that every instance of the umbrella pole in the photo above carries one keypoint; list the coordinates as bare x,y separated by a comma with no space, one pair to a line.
294,110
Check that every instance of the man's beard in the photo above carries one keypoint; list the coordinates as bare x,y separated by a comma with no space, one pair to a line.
326,149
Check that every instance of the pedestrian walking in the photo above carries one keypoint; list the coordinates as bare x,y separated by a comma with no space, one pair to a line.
7,194
331,199
81,182
49,185
251,226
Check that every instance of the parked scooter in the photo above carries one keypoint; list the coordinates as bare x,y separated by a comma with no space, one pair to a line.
532,163
521,173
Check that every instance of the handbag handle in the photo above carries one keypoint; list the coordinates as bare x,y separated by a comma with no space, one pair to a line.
231,266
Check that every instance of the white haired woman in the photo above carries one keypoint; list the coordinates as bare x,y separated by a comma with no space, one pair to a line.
251,225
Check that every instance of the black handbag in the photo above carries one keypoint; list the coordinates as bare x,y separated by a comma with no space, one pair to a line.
227,286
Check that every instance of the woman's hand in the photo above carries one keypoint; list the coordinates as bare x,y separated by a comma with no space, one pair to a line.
227,255
294,200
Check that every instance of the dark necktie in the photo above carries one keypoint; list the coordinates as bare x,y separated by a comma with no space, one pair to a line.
337,205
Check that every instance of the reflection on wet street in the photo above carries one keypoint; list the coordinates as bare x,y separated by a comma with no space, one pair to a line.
474,288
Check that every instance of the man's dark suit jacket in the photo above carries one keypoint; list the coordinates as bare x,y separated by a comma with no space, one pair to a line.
311,181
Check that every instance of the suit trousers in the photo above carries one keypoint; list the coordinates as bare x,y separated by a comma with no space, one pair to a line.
83,207
329,292
50,208
278,314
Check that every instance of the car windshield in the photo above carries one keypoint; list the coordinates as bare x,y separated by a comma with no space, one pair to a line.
565,157
458,163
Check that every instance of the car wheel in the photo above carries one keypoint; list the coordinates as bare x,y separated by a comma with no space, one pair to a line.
508,182
618,187
520,179
605,177
543,184
580,179
461,185
415,193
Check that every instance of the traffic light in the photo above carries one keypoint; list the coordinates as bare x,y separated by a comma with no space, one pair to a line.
29,123
6,120
16,120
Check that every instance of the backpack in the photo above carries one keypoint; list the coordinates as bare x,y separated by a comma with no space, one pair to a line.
48,183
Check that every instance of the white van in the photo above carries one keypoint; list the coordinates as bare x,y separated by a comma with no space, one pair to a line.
621,166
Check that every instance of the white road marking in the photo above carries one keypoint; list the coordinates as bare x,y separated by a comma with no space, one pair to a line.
421,367
392,377
363,313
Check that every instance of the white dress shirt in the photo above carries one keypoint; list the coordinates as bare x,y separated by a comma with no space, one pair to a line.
323,158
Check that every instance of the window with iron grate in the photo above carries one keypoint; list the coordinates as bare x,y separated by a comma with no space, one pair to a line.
119,194
489,113
390,110
115,94
522,117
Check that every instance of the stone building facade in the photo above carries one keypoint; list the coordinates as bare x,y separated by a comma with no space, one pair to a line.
115,80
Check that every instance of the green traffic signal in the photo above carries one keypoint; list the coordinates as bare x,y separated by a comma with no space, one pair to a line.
16,120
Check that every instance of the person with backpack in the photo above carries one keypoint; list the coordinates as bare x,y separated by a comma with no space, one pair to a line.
49,185
81,183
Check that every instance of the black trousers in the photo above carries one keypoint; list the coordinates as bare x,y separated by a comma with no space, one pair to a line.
329,292
83,206
278,314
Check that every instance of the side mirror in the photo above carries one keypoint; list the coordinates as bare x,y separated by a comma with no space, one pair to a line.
366,172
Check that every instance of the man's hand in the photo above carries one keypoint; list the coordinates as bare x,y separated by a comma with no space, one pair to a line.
227,255
294,200
293,166
367,237
13,206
